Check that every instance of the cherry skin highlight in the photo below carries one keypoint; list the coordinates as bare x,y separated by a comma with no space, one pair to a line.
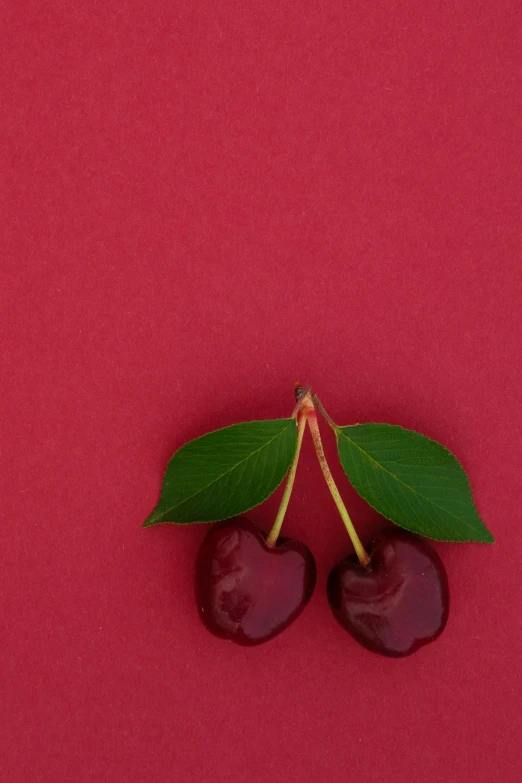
246,591
396,604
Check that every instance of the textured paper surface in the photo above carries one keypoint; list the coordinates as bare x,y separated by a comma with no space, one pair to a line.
203,203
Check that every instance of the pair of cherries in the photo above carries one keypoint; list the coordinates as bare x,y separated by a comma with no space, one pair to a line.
248,590
251,586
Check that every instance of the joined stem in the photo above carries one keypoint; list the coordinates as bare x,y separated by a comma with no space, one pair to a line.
360,551
276,528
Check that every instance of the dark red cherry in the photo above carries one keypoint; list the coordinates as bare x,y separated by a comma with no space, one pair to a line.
397,603
246,591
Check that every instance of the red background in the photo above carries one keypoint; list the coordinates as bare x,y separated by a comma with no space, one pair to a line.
203,203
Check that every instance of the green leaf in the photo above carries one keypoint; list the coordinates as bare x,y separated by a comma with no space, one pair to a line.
226,472
411,480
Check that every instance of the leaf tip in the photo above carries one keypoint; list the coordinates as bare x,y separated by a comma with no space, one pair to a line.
152,519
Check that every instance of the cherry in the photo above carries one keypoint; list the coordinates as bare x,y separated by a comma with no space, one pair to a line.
395,599
399,601
248,590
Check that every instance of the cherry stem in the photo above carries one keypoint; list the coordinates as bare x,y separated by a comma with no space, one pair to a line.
323,412
276,528
360,551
